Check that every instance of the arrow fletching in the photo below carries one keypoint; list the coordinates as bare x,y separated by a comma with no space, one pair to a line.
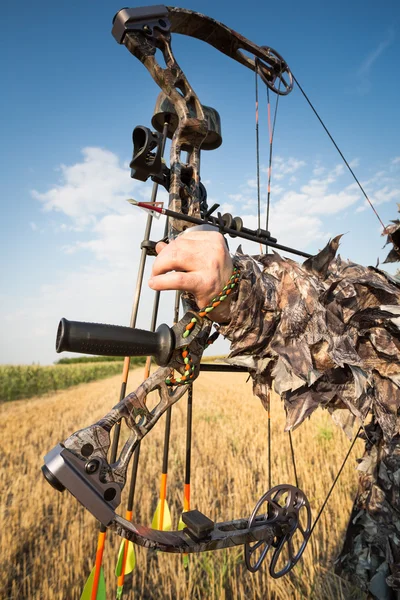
185,557
130,561
162,517
101,589
154,208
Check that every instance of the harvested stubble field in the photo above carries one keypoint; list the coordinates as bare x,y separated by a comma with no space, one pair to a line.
48,540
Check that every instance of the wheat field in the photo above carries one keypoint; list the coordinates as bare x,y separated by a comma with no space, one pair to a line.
48,541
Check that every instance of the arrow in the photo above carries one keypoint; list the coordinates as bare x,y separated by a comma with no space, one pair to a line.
99,585
162,516
126,556
218,223
92,586
186,493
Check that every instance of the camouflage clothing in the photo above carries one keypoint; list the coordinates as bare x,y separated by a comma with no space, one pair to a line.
326,333
393,237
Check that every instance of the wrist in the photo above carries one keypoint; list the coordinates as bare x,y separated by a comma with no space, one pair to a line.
218,309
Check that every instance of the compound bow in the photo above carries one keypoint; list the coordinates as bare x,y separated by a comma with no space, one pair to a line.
81,463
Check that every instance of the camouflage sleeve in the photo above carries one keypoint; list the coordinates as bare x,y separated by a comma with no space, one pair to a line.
326,333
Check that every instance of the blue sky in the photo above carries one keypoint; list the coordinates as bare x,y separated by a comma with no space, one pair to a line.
71,97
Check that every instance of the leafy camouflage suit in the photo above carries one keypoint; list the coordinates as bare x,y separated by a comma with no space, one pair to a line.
326,333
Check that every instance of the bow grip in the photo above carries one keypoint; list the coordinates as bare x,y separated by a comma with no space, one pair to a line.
114,340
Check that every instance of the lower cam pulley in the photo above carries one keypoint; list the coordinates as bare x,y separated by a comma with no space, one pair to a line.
287,506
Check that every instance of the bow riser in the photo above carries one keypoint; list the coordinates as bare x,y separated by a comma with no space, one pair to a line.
192,126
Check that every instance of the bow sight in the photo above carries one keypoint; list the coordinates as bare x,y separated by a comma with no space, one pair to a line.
87,463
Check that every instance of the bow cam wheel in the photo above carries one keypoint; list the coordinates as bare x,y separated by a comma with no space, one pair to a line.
275,72
287,506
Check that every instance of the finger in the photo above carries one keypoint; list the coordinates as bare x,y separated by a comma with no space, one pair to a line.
174,281
178,256
160,247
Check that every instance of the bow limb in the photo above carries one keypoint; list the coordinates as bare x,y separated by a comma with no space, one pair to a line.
272,68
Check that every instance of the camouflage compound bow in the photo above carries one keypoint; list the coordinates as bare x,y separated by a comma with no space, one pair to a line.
82,463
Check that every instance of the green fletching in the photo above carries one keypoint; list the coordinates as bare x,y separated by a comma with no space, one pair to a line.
185,557
167,521
120,591
130,559
101,589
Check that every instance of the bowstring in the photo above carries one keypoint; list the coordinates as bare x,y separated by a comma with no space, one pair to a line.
383,226
257,148
339,151
271,133
325,502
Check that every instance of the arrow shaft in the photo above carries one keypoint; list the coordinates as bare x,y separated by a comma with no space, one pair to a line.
125,374
219,226
101,540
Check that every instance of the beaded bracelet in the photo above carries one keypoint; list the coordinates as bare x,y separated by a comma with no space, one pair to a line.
204,312
187,359
234,278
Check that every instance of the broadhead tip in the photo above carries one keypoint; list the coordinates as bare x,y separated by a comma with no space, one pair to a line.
132,201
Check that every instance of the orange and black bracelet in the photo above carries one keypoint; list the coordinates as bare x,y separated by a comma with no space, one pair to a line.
233,280
204,312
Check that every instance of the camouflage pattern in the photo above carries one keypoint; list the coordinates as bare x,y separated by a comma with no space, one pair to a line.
272,68
133,409
393,237
84,455
326,333
192,127
224,535
164,110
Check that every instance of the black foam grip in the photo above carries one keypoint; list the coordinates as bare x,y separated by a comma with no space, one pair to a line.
114,340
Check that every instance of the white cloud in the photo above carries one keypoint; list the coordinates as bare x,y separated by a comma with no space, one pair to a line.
298,211
90,188
385,194
373,56
396,160
117,237
317,171
252,183
93,192
282,167
33,226
364,73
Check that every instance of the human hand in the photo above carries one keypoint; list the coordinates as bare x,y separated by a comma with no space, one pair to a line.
196,262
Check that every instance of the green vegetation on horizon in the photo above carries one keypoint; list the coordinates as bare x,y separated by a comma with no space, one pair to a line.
25,381
136,360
